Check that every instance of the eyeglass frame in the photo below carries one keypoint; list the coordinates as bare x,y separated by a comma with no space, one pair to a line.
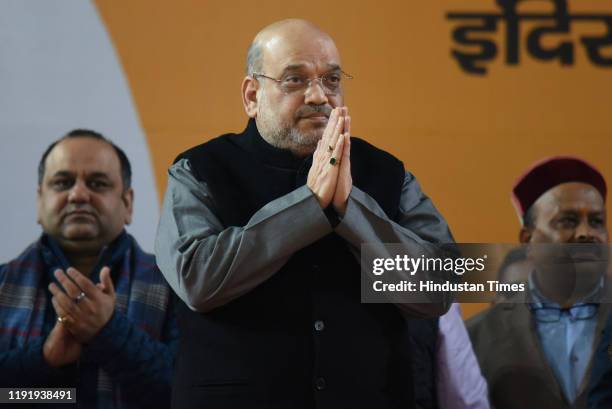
279,82
535,309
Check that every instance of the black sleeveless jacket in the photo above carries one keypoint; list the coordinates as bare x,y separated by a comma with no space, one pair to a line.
302,339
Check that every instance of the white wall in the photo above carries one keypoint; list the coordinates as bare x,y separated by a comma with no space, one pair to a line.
59,71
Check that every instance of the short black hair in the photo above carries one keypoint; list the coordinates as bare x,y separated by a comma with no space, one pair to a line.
126,168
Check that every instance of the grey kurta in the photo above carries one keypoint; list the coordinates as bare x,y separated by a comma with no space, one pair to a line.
208,264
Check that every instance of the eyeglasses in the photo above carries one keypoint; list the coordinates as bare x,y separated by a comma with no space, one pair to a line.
330,83
581,311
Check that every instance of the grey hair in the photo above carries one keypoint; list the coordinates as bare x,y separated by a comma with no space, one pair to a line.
254,58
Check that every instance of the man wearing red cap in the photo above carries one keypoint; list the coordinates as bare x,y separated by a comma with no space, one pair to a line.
536,350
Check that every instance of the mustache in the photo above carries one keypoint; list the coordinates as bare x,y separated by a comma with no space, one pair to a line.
308,110
78,208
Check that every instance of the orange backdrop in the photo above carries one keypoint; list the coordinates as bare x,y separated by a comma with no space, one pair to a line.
466,138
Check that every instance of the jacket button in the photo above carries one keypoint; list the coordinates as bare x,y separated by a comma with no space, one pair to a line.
319,325
320,384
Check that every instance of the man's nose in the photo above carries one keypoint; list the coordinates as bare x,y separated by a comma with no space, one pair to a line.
79,193
585,233
315,93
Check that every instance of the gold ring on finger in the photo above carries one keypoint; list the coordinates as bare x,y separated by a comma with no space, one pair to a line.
61,319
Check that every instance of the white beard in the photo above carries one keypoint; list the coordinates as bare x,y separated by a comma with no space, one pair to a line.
287,137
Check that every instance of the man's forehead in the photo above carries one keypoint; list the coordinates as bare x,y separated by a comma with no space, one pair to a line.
308,54
571,196
82,155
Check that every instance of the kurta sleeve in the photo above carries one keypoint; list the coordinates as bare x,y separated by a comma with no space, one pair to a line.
208,265
418,226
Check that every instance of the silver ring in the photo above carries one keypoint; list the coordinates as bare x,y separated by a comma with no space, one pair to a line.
79,297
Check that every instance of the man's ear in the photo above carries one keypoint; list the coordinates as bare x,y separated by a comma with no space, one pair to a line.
525,235
249,95
128,200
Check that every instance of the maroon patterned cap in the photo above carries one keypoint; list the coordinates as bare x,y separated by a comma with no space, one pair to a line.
550,172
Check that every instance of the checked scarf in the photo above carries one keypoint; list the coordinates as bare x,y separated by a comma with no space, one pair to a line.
142,296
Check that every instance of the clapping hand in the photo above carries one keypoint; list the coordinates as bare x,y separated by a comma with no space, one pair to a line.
84,307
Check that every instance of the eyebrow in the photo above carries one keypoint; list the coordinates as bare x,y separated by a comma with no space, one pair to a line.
333,67
296,67
63,173
574,212
98,175
66,173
